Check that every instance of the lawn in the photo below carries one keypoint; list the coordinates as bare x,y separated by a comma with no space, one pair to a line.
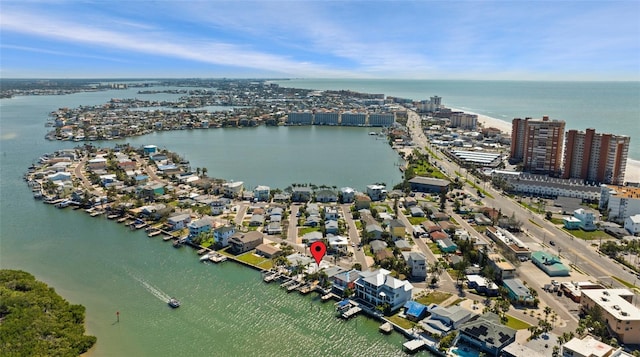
432,153
579,233
434,248
358,224
516,323
557,221
304,230
479,188
626,283
402,322
534,223
416,220
253,259
457,302
434,297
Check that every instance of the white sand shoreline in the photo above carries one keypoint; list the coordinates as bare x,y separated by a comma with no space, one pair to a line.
632,173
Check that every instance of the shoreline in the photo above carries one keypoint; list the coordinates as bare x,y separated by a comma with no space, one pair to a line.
632,172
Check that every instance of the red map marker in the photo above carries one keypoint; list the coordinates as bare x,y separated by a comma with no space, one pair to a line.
318,250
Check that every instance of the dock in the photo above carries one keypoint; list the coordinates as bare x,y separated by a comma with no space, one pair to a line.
413,345
307,288
291,288
113,216
286,284
271,277
386,327
167,238
351,312
329,296
154,233
217,257
122,219
202,251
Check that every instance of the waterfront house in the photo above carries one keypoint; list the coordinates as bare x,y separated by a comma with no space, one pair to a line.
378,287
59,176
262,193
486,333
417,262
376,192
398,229
268,251
202,225
232,189
415,311
444,319
362,202
347,194
178,221
241,242
344,280
222,234
301,194
326,196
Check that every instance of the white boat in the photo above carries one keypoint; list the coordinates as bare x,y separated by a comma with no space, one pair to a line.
204,257
174,303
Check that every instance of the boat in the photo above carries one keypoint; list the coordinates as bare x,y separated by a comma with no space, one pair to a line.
174,303
204,257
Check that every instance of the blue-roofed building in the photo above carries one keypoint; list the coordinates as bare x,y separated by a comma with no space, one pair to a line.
517,291
415,311
447,245
549,264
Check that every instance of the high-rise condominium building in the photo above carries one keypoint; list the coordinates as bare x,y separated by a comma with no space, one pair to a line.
537,143
594,157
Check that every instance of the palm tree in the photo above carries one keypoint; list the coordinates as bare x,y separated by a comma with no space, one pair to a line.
547,311
204,171
197,171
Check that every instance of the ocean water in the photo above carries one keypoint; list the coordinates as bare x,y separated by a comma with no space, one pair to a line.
609,107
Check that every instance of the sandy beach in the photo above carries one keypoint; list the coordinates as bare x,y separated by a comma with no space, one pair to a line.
632,173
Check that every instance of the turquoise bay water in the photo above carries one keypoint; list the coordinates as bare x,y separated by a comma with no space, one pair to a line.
609,107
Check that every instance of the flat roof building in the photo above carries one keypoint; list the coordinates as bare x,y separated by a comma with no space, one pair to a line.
618,312
538,144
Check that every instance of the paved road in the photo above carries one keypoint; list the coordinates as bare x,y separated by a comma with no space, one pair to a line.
542,231
354,236
292,230
79,172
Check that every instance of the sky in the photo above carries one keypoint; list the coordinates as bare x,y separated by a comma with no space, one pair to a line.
504,40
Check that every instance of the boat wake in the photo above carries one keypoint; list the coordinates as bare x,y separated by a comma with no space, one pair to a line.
161,295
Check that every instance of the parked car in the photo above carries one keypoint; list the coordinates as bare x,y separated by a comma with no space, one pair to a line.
552,242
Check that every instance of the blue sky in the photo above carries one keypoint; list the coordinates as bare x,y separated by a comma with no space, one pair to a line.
536,40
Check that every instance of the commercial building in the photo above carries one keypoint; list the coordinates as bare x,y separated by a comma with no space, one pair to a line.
549,264
618,312
594,157
544,186
428,184
300,118
477,158
620,201
538,144
509,242
590,347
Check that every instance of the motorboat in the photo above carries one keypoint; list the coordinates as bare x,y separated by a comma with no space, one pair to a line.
174,303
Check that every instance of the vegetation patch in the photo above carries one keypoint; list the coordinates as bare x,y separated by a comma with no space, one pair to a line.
432,153
402,322
534,223
305,230
434,297
579,233
626,283
36,321
457,300
416,220
434,248
253,259
516,324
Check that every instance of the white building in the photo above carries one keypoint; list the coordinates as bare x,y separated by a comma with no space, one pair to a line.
620,201
587,219
418,264
632,224
261,193
222,234
233,189
348,194
376,192
590,347
542,185
621,315
378,287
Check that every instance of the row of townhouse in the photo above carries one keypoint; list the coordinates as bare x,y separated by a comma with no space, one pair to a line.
344,118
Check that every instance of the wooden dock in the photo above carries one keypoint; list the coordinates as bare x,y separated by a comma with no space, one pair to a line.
351,312
386,327
413,345
154,233
329,296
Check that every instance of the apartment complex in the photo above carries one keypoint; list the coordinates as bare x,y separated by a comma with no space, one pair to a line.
537,143
464,120
618,312
620,201
595,157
